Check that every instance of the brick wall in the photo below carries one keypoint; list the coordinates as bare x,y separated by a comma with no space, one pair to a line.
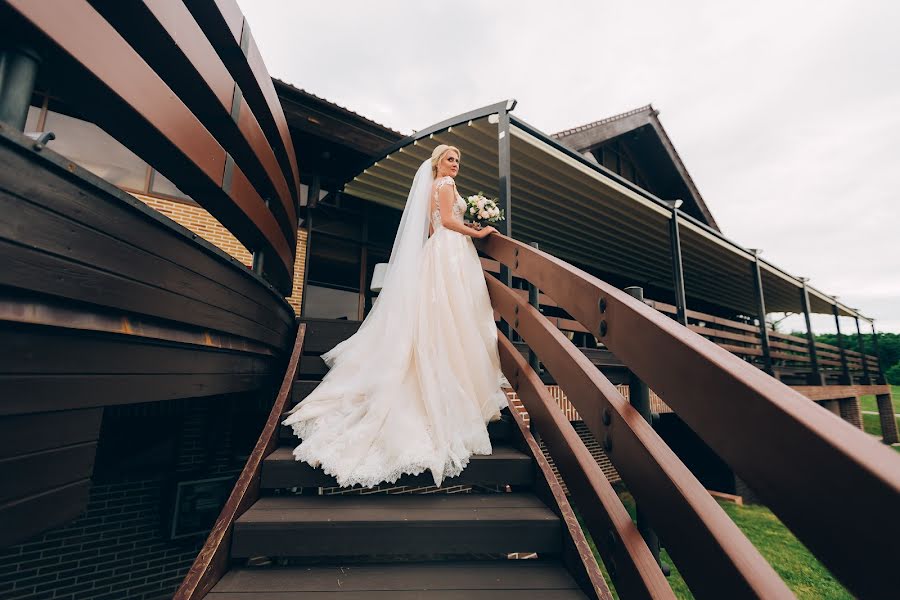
202,223
117,549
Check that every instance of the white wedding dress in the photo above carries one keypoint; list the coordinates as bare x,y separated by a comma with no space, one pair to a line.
414,388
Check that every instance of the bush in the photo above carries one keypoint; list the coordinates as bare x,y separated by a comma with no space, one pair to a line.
893,374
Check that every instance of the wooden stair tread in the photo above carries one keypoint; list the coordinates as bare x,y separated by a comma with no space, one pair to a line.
444,580
505,465
396,525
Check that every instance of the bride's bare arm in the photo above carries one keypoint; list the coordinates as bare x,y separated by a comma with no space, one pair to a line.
446,198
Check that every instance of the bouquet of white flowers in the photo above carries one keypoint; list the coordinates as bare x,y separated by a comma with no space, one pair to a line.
483,211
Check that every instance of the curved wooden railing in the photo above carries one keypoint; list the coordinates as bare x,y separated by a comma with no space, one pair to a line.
213,559
811,468
163,79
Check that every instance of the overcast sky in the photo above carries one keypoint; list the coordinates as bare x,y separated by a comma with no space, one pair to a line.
786,114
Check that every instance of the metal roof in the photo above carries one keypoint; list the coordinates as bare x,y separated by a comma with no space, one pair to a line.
581,212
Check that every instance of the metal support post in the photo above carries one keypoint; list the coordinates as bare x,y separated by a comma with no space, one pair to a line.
639,397
846,377
861,348
761,314
533,299
18,73
677,270
505,196
815,377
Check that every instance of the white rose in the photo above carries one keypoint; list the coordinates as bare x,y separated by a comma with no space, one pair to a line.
480,203
483,215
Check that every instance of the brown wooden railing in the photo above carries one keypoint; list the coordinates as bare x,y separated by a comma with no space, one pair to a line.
183,86
810,467
213,559
790,354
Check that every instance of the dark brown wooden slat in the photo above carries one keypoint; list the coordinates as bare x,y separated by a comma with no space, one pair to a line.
167,37
37,393
504,466
27,517
396,525
30,474
226,29
50,181
165,283
455,576
302,389
325,334
25,268
23,434
42,351
98,71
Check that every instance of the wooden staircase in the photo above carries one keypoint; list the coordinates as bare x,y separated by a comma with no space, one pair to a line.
462,540
441,545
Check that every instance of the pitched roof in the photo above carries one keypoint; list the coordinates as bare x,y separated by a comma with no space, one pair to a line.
584,137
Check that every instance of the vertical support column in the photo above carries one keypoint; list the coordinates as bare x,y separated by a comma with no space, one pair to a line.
879,378
846,377
534,300
505,195
639,398
677,270
761,314
18,73
816,377
889,433
861,348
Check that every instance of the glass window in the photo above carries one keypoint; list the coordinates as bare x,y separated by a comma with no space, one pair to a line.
97,151
160,184
334,262
329,303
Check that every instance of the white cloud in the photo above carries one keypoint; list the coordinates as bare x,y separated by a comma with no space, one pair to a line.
785,113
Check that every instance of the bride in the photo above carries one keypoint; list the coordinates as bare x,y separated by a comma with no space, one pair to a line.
414,388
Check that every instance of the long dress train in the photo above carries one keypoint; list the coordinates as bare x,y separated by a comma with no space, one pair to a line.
382,410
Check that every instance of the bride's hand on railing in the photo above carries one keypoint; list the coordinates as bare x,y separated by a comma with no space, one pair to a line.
483,233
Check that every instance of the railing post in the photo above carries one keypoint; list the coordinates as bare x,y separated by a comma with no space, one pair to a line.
816,377
846,377
677,270
18,72
879,379
761,314
505,195
866,380
533,300
639,398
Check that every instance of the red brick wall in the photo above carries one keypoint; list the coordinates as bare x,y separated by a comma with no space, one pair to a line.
202,223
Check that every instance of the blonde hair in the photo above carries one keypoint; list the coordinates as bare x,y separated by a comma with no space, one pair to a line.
438,154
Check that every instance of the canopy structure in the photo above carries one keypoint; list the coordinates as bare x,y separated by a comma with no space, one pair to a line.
583,213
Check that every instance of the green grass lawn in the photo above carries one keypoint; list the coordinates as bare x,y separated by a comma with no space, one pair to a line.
868,402
800,570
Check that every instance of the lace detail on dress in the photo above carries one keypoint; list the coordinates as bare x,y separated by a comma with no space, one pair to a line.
458,208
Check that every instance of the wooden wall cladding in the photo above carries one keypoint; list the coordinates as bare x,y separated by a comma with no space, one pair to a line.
104,301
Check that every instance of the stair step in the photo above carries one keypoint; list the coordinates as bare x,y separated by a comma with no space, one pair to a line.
456,580
499,430
505,465
448,524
